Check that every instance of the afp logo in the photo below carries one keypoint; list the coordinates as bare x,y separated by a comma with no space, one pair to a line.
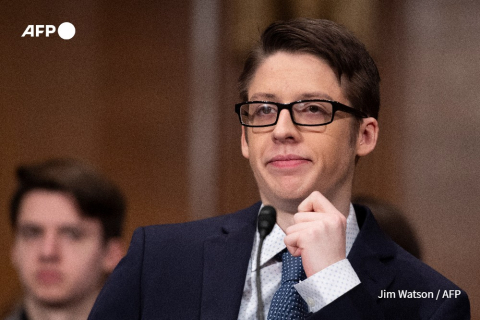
66,30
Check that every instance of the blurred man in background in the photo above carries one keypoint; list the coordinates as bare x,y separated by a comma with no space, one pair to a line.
67,221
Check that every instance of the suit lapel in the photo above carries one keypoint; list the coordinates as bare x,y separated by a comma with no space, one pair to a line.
372,253
225,265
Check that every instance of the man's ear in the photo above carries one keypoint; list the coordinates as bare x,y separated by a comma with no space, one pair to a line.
367,136
244,143
114,252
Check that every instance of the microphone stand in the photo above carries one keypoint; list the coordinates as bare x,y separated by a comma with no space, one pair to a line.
266,221
260,311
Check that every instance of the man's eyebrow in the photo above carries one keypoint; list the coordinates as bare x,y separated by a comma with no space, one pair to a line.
315,95
304,96
262,96
29,225
76,229
62,227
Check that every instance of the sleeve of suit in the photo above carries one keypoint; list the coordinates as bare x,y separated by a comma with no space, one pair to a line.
454,308
120,298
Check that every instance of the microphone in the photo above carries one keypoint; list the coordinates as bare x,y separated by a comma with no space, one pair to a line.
266,221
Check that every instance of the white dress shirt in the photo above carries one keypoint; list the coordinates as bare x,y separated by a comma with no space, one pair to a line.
318,290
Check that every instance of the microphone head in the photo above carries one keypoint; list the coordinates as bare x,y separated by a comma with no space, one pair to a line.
266,220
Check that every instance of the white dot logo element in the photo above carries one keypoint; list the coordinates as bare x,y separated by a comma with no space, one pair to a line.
66,31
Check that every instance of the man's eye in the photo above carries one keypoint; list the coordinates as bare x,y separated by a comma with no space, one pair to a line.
73,234
30,233
314,108
264,110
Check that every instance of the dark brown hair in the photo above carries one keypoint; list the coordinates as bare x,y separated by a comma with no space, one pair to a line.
346,55
95,195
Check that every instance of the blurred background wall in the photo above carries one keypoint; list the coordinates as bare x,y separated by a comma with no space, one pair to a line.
138,92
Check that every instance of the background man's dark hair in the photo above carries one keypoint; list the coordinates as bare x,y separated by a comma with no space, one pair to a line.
346,55
95,195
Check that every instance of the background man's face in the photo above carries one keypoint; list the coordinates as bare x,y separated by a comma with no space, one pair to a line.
59,255
289,162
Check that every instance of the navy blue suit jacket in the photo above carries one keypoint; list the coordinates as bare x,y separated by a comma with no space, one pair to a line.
197,270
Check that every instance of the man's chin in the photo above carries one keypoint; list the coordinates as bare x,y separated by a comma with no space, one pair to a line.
53,298
288,200
293,191
286,192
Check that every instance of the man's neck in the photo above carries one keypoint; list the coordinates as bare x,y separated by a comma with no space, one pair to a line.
77,310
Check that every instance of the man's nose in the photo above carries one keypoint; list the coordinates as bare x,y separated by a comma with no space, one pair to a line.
49,247
285,128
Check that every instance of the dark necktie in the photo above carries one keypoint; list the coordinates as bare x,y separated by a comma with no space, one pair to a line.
287,304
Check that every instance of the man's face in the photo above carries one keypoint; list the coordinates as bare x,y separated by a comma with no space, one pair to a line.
59,254
288,161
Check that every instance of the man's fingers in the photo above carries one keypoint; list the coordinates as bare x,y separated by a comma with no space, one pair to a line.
307,216
291,241
317,234
316,202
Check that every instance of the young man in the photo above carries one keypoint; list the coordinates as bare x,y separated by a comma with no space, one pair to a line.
311,99
67,220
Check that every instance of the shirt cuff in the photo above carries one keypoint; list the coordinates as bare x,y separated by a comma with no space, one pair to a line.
328,284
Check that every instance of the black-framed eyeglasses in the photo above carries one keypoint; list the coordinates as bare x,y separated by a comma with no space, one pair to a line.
303,112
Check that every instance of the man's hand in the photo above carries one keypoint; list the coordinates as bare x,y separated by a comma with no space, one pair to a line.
318,234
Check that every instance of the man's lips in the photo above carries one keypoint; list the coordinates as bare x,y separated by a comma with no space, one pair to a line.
287,161
49,277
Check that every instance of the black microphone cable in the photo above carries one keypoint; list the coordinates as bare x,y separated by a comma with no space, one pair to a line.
266,221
